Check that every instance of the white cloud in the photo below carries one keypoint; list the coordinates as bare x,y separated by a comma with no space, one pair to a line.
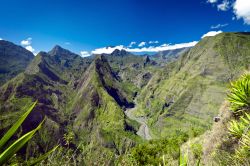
242,10
212,1
142,44
153,42
162,47
67,43
224,6
1,38
131,44
211,33
26,42
30,48
107,50
84,53
218,26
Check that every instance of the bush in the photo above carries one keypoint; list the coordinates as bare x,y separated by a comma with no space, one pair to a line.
239,98
239,95
150,153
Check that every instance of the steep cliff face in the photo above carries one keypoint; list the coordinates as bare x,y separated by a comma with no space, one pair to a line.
98,112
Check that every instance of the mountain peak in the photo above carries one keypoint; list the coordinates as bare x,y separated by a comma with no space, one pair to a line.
121,52
58,50
57,47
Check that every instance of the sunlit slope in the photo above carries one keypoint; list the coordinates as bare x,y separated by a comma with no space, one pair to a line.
187,94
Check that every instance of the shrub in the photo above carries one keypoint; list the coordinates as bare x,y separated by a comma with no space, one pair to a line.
237,128
239,95
241,131
152,152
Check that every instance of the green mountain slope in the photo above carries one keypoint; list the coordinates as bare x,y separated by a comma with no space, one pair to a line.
51,80
13,60
187,93
98,111
134,71
76,97
164,57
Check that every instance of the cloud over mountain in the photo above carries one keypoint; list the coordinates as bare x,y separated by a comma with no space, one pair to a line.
162,47
142,44
131,44
84,54
26,43
211,33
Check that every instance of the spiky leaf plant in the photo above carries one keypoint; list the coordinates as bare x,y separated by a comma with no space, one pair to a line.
239,95
237,128
7,153
241,130
243,152
183,159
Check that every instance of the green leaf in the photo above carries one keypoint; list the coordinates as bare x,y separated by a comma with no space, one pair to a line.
198,162
13,148
183,159
14,128
43,157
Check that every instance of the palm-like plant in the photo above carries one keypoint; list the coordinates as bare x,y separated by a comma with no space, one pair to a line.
238,128
241,130
239,95
243,152
18,144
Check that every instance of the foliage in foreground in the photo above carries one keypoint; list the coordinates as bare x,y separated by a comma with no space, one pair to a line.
8,152
235,147
239,95
153,151
239,128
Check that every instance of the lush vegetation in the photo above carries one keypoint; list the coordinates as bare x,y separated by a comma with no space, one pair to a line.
240,127
232,147
153,152
239,95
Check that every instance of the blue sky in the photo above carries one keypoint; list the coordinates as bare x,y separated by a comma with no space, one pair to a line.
87,25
